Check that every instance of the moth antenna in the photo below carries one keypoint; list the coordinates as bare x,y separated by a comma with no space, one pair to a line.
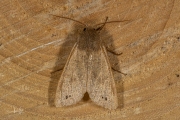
70,19
100,28
111,22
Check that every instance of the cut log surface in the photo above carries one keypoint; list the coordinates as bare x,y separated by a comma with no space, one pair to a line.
34,47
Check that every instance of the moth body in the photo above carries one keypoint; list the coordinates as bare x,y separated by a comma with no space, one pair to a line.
87,70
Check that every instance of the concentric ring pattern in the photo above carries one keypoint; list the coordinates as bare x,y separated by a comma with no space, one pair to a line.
34,47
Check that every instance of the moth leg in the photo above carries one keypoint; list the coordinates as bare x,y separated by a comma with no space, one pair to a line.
57,70
113,52
118,71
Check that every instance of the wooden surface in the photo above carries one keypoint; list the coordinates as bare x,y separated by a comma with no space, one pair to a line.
34,47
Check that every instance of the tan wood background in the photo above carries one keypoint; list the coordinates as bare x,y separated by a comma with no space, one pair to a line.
34,47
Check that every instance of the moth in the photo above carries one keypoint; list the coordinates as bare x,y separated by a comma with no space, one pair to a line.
87,70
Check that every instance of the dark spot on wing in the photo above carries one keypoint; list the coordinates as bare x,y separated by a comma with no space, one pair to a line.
177,75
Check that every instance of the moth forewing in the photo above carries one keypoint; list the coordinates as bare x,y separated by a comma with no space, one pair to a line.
101,84
72,85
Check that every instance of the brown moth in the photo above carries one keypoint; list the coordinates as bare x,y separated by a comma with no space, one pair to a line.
87,70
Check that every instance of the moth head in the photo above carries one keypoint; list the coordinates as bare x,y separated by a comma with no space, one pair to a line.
89,29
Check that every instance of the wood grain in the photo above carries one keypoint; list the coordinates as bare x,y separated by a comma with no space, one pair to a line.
34,47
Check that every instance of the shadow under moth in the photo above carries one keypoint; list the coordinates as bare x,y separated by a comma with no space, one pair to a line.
87,70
